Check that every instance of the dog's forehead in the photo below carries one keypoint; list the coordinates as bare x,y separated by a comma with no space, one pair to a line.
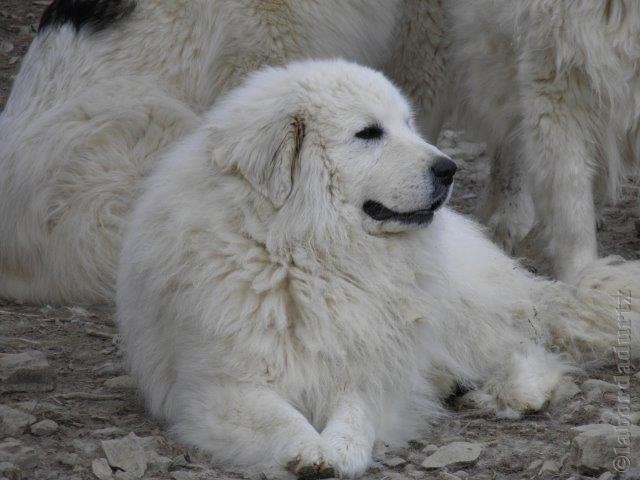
358,95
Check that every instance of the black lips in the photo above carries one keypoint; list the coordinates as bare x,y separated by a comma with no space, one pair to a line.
379,212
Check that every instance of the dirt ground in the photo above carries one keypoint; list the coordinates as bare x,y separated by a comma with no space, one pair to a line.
92,401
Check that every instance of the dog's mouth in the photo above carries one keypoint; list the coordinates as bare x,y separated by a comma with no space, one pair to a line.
423,216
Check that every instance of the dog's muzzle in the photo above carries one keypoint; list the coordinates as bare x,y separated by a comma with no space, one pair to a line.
442,172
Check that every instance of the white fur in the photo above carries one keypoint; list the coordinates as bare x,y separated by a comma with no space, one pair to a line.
90,114
554,86
274,324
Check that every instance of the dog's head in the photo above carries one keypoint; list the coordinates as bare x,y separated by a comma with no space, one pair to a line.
324,139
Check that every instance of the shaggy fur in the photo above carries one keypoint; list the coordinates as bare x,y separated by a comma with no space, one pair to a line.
554,86
107,85
275,324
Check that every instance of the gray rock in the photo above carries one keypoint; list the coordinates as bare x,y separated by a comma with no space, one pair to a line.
152,442
25,372
121,383
180,461
566,391
14,451
592,447
14,422
394,462
606,476
70,459
126,454
10,471
157,463
461,474
549,467
85,447
429,449
595,384
101,469
44,428
454,454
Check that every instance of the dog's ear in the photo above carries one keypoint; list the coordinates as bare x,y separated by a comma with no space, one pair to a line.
266,154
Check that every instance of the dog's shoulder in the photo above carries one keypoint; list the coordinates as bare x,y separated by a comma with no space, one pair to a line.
96,15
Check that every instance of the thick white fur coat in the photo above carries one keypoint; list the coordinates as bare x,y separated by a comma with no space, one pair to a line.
274,324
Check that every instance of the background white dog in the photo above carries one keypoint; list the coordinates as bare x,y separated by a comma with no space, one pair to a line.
554,86
291,288
107,85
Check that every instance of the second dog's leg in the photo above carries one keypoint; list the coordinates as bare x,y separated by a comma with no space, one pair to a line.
506,208
557,129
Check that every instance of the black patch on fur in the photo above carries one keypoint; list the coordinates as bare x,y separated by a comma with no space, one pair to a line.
95,15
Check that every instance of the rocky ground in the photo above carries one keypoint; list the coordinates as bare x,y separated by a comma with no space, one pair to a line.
68,410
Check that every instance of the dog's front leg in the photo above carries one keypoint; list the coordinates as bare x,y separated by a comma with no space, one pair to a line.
246,424
351,433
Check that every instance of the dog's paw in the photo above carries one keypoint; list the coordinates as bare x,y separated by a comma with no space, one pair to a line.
313,460
524,384
353,456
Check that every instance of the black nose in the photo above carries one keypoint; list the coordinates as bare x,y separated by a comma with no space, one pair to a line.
444,169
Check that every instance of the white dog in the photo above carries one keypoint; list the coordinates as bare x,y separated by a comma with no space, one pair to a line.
291,289
554,86
107,85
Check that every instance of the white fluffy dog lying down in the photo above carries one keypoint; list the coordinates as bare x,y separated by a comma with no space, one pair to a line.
292,290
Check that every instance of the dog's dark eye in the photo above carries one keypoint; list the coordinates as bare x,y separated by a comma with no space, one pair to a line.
372,132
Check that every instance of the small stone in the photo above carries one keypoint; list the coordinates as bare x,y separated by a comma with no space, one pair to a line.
594,389
429,449
549,467
101,469
44,428
152,442
565,392
127,455
10,471
180,461
606,476
454,454
70,459
22,456
14,422
591,447
109,432
85,447
121,383
157,463
394,462
25,372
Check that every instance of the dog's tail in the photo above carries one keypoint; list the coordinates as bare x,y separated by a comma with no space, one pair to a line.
599,319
